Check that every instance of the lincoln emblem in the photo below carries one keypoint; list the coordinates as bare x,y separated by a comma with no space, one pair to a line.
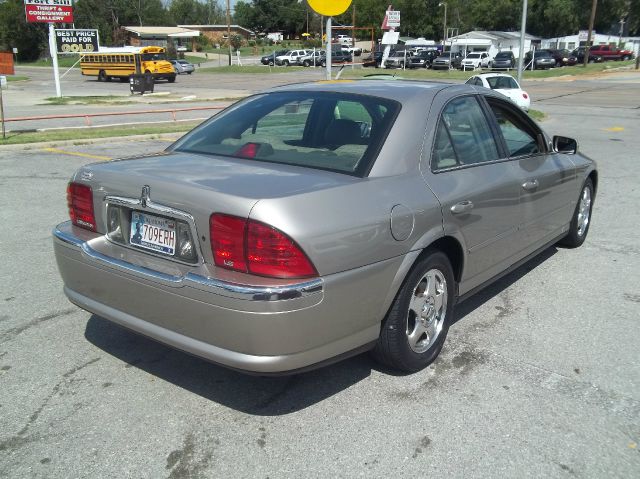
144,197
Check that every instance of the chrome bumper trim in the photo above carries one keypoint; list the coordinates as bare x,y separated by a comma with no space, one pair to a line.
224,288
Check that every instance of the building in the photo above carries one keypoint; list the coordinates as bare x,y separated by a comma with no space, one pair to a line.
491,42
218,33
580,39
161,36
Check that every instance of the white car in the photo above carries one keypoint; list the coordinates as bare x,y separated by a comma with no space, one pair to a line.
475,60
505,84
291,57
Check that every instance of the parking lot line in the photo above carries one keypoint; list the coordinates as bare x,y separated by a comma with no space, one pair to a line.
73,153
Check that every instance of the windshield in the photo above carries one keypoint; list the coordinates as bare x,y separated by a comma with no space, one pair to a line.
445,55
153,57
503,55
473,55
502,83
324,130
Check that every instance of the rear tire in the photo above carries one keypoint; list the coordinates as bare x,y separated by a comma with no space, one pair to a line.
581,218
417,323
171,78
102,76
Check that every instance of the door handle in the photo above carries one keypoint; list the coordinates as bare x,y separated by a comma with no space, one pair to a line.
462,207
530,185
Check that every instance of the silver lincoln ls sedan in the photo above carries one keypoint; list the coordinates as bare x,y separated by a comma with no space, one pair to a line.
316,221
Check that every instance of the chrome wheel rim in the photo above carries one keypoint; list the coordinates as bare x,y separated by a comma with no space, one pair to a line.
427,310
584,211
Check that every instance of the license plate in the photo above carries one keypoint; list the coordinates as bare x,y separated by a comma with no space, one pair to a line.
153,233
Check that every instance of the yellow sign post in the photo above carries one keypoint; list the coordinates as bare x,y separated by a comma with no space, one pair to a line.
329,8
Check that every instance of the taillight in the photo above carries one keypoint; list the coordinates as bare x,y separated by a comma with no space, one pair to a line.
80,202
257,248
227,241
524,95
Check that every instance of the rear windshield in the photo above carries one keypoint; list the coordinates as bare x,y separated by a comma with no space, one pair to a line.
324,130
502,83
473,55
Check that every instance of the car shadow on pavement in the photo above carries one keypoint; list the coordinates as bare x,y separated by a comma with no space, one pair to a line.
262,396
478,299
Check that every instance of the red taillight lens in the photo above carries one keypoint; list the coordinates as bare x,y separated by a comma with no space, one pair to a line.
272,253
253,247
80,202
524,95
227,241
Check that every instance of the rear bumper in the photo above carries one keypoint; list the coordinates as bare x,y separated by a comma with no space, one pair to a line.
264,329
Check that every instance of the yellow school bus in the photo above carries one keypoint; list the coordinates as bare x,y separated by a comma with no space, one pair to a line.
123,62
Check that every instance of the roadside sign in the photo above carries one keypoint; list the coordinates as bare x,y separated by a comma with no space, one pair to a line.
77,41
329,8
6,64
3,82
49,11
391,19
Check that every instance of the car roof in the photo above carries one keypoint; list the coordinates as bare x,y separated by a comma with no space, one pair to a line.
396,89
491,75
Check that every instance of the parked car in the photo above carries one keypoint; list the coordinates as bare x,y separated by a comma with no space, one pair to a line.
183,66
337,57
373,60
422,59
354,51
505,84
577,57
503,60
397,59
291,57
447,60
542,59
475,60
314,58
270,59
561,56
315,221
344,39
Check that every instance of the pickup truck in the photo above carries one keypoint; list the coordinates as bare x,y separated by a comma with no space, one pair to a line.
609,52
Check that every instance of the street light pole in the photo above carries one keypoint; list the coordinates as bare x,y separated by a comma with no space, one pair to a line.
523,29
444,40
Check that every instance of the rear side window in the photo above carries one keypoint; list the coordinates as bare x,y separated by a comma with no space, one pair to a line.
324,130
464,131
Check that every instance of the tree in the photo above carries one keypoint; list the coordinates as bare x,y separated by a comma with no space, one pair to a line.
15,32
288,16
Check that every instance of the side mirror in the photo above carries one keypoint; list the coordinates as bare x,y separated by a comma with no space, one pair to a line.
562,144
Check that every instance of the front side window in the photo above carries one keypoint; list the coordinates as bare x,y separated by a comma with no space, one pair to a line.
465,126
332,131
520,136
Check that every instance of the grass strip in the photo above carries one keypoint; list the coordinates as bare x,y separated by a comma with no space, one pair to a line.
17,78
15,138
88,100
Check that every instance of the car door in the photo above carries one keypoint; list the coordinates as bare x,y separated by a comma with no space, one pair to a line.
548,182
477,188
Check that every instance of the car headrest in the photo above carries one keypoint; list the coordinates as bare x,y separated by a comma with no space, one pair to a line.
343,132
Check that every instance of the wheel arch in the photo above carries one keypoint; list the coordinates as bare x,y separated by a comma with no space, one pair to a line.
448,245
593,176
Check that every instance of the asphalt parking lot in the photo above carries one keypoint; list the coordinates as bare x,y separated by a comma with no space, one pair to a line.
539,376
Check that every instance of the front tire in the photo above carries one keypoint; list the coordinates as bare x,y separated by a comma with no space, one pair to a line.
416,326
581,218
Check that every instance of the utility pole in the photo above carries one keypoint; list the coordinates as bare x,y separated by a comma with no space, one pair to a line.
587,47
444,40
229,29
621,22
